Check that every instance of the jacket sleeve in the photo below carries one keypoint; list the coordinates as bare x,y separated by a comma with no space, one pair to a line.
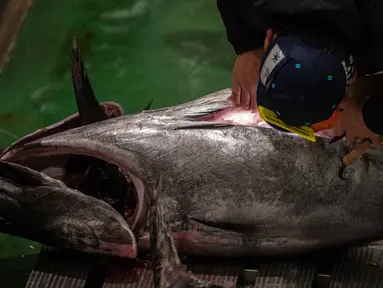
371,43
373,116
242,37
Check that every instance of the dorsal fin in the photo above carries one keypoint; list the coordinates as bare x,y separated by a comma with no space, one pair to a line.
88,107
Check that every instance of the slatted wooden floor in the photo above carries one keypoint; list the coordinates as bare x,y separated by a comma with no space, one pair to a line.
355,268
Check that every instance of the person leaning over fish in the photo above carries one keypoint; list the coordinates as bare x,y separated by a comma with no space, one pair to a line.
297,59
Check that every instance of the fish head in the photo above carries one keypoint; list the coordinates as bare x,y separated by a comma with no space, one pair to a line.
80,198
40,208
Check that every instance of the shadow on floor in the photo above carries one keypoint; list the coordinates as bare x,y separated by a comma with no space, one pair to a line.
14,271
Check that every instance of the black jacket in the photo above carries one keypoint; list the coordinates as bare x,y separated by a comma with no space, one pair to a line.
358,23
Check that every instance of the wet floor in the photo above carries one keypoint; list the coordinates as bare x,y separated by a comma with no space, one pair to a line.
134,50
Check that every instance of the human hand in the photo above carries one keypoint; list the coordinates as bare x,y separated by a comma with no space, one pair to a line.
351,121
245,79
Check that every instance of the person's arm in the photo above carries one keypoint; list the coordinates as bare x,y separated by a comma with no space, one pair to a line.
371,60
242,37
370,57
373,115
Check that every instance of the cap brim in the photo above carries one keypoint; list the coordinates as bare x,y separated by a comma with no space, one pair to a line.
277,127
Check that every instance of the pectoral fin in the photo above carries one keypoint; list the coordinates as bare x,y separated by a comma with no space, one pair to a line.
167,267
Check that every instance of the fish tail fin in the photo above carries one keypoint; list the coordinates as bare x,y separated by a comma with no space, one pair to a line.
89,108
167,267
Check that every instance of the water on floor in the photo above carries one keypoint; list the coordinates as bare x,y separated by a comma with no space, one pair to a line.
134,50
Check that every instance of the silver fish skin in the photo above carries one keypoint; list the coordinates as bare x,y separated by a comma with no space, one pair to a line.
230,187
232,190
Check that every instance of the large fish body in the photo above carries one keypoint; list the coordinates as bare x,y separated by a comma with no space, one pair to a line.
229,189
230,184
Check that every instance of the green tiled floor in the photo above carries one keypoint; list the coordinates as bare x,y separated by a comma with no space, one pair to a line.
135,50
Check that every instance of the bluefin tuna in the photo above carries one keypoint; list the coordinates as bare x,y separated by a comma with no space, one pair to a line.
231,185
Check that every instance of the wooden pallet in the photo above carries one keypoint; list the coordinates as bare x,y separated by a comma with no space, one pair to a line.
356,268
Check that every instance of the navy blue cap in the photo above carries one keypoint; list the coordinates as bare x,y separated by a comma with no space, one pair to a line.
301,84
